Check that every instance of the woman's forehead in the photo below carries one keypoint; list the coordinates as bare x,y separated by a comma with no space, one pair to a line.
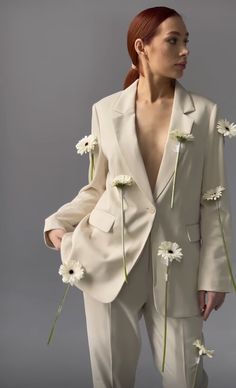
173,24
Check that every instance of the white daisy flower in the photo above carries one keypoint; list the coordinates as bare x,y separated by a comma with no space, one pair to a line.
169,251
180,137
226,128
122,180
71,272
213,194
86,144
202,349
201,352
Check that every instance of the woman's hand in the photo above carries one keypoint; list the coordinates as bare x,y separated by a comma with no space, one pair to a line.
214,300
55,235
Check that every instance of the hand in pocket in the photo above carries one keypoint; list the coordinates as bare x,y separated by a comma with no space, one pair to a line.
55,235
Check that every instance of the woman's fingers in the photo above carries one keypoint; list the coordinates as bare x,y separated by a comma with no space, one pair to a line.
55,236
201,300
214,301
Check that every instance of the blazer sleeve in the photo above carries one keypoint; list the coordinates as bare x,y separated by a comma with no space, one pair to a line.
70,214
213,267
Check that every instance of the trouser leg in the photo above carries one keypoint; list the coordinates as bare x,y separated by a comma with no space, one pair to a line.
181,354
114,333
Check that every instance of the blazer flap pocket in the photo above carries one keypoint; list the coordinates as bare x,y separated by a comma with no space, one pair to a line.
101,219
193,231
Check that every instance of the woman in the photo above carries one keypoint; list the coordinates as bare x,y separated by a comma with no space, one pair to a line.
116,228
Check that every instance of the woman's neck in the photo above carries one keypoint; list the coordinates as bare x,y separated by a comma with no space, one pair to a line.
152,90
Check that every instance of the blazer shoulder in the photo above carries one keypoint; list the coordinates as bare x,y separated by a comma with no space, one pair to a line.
202,100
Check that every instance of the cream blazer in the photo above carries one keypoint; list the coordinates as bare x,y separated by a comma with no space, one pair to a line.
92,220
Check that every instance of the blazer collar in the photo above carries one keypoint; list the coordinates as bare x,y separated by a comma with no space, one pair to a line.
123,116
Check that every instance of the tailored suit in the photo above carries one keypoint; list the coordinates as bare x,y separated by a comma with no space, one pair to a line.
92,222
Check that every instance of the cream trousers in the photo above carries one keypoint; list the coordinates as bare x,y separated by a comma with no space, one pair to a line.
114,335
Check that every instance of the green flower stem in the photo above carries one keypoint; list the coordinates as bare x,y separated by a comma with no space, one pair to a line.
89,173
57,314
195,373
91,166
165,321
122,233
173,186
226,250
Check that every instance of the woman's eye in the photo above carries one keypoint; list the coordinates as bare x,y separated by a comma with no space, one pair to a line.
173,40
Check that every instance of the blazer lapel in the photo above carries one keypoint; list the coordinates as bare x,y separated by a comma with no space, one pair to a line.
123,115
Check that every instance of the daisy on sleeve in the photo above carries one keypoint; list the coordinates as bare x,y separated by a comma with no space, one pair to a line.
87,145
226,128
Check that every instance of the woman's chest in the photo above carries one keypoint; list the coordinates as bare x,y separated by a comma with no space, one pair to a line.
152,125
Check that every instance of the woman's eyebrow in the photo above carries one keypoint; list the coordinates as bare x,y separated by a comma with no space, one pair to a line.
177,33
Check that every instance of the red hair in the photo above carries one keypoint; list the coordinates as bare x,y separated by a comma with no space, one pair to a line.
144,26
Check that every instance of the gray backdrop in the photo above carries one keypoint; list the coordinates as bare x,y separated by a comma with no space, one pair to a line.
57,59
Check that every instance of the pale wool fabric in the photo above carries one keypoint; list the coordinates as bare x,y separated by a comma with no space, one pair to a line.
115,342
92,220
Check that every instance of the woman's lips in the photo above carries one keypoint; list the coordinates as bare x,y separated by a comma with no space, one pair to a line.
180,65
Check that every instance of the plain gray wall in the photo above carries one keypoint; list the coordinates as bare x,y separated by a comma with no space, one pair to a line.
58,58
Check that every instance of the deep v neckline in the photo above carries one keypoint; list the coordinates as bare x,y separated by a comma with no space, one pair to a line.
154,190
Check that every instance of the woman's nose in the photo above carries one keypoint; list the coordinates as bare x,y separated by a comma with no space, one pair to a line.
185,51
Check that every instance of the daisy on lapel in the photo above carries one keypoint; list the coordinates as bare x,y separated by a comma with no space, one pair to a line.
215,195
180,137
71,271
120,181
226,128
87,144
169,251
202,351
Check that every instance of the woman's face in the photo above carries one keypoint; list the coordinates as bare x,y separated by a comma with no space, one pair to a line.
168,48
